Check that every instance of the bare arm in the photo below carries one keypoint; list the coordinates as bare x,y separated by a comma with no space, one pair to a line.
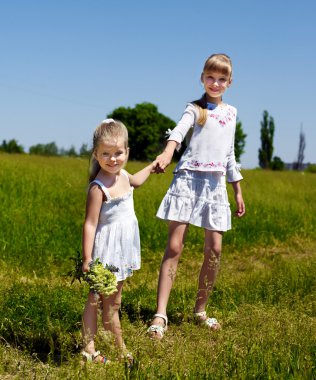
176,136
93,206
239,199
164,159
140,177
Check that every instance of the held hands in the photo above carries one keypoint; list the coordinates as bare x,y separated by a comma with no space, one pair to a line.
161,162
164,159
154,167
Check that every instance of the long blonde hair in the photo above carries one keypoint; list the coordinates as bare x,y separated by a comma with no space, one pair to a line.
216,62
108,130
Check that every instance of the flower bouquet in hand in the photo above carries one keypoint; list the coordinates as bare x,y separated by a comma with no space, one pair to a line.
101,280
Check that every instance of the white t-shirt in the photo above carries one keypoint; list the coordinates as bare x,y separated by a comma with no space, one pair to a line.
211,147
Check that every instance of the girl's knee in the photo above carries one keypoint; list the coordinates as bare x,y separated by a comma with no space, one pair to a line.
92,301
214,249
213,243
174,250
176,238
111,318
110,310
116,307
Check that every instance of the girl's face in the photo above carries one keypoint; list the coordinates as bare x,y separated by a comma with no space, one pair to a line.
112,155
215,84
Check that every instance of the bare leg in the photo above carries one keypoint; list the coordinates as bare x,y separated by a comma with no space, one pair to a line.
210,267
168,268
89,323
110,315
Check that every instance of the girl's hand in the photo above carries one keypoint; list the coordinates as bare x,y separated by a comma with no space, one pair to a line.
86,265
241,209
239,200
154,167
162,161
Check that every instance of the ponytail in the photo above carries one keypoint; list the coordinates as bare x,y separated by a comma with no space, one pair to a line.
202,116
93,169
200,104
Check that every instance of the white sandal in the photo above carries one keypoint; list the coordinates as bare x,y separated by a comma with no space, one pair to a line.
211,323
127,356
91,358
158,331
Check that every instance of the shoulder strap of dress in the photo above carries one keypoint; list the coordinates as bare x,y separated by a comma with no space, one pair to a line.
124,172
103,188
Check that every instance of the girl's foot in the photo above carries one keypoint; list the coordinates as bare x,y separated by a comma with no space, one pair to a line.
202,319
127,356
158,326
96,357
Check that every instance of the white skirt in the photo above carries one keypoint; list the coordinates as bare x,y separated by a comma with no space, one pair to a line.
197,198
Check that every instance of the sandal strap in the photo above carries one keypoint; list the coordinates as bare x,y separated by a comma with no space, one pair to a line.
96,354
128,357
211,322
159,328
200,314
156,329
162,316
92,357
87,356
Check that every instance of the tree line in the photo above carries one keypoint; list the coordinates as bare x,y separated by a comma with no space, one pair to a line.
147,128
50,149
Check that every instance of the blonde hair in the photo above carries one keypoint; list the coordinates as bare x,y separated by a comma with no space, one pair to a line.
202,115
219,63
109,130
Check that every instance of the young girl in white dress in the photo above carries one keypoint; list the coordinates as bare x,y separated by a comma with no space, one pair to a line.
197,194
110,231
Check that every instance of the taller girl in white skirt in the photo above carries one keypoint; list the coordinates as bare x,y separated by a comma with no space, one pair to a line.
197,194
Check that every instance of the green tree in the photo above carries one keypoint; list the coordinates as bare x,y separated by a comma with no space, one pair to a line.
11,146
267,134
37,149
240,141
84,151
277,163
146,129
49,149
71,152
298,165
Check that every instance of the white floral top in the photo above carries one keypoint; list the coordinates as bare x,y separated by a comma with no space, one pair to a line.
211,147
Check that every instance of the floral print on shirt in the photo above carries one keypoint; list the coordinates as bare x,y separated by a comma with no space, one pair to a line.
210,165
221,117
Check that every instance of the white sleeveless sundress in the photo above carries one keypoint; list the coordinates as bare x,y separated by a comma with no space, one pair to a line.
117,239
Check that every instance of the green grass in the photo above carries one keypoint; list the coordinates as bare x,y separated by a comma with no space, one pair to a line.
264,296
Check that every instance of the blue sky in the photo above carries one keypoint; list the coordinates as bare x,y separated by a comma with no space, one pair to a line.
66,64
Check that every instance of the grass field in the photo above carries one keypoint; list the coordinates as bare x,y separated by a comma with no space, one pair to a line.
264,297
